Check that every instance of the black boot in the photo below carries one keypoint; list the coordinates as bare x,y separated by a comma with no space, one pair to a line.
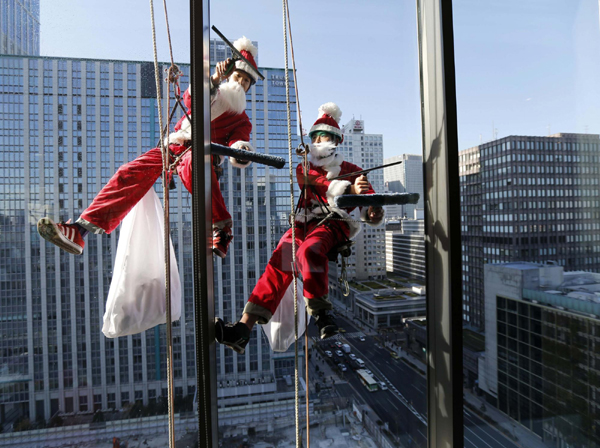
235,336
326,323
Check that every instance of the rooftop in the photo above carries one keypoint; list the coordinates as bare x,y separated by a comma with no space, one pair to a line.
576,291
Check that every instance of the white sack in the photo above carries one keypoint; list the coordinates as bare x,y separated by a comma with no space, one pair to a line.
136,299
280,329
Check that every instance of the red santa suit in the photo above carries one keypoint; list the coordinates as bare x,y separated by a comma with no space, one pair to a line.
229,126
314,242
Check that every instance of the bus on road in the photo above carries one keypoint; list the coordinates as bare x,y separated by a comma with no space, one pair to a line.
367,380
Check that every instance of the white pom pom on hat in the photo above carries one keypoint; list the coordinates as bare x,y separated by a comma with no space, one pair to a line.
243,43
332,110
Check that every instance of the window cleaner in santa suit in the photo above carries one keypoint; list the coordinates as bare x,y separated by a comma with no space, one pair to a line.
313,242
229,126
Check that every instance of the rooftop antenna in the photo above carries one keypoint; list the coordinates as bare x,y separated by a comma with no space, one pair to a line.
549,125
481,136
494,131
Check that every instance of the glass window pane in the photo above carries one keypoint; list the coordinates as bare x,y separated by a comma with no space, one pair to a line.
74,110
368,379
528,167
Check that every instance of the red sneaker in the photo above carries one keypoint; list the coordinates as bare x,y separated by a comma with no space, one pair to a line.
64,235
221,240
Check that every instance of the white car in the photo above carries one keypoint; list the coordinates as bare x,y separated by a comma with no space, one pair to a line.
342,367
362,339
328,353
352,356
383,385
338,344
339,353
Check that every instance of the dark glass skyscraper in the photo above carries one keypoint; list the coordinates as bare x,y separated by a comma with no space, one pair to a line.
528,199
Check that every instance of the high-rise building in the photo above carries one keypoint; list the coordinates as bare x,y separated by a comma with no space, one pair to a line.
405,247
528,199
542,356
365,151
406,177
68,125
20,27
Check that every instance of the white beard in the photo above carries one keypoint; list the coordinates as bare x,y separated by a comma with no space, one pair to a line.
326,156
234,96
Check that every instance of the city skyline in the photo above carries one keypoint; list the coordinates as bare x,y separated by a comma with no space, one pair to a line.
529,191
528,198
95,116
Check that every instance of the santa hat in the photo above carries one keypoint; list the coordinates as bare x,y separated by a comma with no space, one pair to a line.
249,51
329,116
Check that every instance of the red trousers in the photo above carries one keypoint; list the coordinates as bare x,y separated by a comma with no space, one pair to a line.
311,262
132,181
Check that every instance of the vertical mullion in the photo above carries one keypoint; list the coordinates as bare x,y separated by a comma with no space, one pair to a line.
442,224
204,309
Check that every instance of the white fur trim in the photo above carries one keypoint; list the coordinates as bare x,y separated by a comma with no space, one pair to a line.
365,218
234,161
326,128
247,68
182,135
243,43
229,98
336,188
334,170
332,110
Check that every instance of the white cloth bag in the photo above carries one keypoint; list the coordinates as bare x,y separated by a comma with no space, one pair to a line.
136,299
280,329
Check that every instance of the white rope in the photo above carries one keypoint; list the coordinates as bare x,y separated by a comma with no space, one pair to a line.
292,205
166,179
302,150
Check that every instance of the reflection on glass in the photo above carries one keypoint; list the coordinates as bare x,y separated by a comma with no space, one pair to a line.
68,124
365,385
530,231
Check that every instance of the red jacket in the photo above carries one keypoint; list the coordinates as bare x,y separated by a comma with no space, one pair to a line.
326,190
227,129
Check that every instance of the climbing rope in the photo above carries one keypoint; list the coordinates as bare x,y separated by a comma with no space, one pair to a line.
166,181
302,150
293,223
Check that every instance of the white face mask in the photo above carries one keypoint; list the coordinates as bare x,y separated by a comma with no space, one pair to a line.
322,154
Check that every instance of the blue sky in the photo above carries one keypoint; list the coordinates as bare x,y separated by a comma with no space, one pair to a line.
523,67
